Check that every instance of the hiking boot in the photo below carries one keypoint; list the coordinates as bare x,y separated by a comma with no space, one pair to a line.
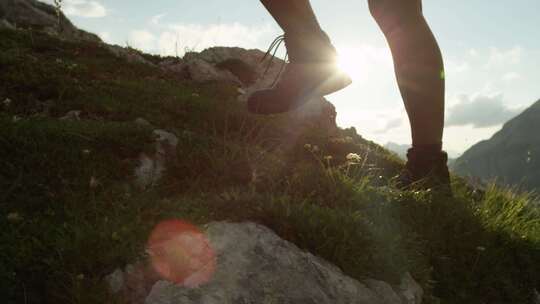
312,72
425,170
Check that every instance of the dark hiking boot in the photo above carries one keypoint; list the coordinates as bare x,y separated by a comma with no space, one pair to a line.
426,170
311,73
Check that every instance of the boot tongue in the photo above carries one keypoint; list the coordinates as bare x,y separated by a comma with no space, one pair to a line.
310,47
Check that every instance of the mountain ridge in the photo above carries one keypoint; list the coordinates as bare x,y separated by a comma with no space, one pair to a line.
510,156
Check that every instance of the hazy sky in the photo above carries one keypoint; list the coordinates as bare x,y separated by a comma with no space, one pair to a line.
491,50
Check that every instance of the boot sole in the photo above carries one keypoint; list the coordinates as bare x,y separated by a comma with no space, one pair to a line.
335,82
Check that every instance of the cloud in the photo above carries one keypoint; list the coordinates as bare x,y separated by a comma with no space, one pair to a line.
511,76
82,8
142,39
167,40
454,67
390,125
198,37
155,20
480,111
503,58
106,37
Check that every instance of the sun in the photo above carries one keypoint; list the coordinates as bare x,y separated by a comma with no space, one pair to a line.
351,61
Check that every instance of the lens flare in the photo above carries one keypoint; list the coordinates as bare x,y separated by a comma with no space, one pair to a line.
181,253
353,62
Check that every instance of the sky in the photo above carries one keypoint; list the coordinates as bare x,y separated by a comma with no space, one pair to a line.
491,51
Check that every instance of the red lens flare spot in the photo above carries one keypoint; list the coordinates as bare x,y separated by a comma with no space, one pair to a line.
181,253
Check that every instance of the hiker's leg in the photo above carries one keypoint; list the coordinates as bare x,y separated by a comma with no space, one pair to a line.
293,16
418,65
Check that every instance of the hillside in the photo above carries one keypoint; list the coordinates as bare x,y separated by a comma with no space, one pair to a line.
511,156
99,144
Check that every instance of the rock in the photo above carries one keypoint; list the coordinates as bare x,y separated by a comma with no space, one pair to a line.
41,16
5,24
170,61
203,71
7,102
166,144
115,281
142,122
129,54
175,65
255,266
410,290
244,67
151,169
244,64
72,115
133,283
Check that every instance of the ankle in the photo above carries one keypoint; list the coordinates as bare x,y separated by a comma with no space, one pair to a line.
428,148
309,46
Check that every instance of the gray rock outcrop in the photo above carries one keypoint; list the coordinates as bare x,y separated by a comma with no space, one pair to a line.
41,16
245,69
255,266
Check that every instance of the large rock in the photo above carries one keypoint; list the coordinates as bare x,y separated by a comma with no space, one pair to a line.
246,69
41,16
255,266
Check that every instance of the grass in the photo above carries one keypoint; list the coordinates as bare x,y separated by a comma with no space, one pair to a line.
69,213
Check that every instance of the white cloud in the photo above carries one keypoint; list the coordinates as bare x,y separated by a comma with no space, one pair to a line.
156,19
82,8
142,39
511,76
199,37
106,37
453,67
390,125
503,58
480,111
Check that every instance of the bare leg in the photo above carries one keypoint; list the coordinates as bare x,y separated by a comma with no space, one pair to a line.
418,66
293,16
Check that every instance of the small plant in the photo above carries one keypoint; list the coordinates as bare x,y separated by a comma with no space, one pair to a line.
58,7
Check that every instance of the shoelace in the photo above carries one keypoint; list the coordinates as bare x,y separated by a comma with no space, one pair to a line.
273,49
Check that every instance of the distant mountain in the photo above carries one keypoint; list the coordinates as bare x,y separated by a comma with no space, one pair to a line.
511,156
399,149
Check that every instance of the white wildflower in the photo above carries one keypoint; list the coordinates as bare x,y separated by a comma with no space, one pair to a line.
94,182
354,158
14,217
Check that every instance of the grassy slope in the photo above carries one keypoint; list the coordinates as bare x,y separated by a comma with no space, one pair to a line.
61,233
